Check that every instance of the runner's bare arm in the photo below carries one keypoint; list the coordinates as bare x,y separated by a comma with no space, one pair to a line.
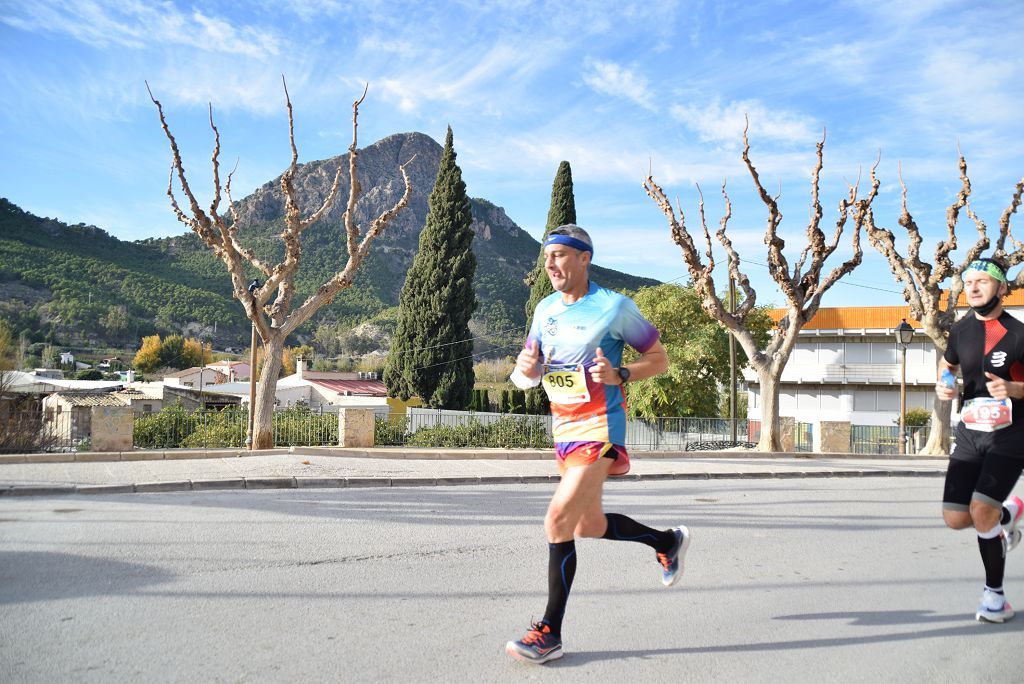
652,362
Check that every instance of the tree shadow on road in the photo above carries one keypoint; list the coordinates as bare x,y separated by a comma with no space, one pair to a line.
28,576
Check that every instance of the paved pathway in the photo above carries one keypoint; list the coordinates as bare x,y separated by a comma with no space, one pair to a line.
308,467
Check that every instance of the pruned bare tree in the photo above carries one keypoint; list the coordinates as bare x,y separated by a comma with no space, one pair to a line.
803,284
931,298
269,306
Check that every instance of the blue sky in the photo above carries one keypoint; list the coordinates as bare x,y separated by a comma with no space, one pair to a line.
611,87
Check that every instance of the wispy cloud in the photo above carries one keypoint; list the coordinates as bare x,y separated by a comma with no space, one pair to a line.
469,80
136,24
724,123
609,78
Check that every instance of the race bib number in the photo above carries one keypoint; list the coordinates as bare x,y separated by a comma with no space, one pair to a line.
566,386
985,414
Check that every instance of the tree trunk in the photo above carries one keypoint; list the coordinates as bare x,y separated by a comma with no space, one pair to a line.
263,409
771,437
940,434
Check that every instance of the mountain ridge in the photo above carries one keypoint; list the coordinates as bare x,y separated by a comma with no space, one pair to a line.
191,286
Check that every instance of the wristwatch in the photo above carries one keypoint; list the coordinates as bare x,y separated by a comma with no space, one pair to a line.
623,375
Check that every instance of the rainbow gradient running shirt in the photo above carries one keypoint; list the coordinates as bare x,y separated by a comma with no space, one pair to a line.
568,336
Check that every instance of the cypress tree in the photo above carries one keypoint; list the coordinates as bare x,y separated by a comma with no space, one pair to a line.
431,352
561,211
518,401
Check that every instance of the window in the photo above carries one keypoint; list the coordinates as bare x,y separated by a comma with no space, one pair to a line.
858,352
830,352
787,401
864,400
889,400
805,354
885,353
830,400
807,400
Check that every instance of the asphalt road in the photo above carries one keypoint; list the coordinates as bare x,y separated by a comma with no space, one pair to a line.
813,580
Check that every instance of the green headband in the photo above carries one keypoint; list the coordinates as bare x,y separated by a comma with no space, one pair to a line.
988,268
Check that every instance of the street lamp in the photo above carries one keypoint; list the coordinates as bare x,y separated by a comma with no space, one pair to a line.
253,286
904,333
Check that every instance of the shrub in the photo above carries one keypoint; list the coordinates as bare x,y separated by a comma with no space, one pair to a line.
917,417
390,432
508,432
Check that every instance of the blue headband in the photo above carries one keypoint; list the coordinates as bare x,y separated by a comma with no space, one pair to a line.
568,240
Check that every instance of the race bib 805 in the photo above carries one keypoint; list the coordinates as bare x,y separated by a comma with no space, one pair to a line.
566,385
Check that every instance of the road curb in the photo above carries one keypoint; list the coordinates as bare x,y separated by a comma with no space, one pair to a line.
385,482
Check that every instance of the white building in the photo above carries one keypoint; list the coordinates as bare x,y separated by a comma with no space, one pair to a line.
320,390
846,366
196,377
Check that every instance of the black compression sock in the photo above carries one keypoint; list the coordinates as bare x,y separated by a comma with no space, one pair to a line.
623,528
561,571
993,556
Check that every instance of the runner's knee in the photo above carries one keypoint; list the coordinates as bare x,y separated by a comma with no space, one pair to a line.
985,516
957,520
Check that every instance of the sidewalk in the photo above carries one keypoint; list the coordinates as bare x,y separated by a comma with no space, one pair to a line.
315,467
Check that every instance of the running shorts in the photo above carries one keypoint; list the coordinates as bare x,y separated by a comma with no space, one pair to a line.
585,453
987,476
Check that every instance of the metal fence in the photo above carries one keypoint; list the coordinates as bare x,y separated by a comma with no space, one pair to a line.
429,427
176,428
28,430
803,440
884,439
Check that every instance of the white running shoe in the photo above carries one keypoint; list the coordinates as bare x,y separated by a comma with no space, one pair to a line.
994,608
1013,535
672,562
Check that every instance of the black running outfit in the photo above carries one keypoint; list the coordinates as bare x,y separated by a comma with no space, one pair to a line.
986,465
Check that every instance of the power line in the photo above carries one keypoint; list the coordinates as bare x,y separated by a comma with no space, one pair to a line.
841,281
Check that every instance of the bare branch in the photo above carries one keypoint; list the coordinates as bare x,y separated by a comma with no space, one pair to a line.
1004,227
778,267
216,164
202,221
351,230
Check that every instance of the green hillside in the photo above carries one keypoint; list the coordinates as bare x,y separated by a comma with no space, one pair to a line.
75,285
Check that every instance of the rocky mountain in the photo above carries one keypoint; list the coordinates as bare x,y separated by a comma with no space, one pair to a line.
505,254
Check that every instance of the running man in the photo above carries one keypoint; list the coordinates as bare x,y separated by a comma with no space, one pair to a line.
987,346
574,349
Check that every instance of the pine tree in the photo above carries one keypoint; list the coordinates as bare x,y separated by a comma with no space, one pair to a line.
431,352
561,211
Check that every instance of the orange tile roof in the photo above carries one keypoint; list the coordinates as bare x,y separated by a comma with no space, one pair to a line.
859,317
854,317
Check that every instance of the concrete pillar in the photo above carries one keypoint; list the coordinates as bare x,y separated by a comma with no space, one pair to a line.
787,432
111,428
355,427
832,437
